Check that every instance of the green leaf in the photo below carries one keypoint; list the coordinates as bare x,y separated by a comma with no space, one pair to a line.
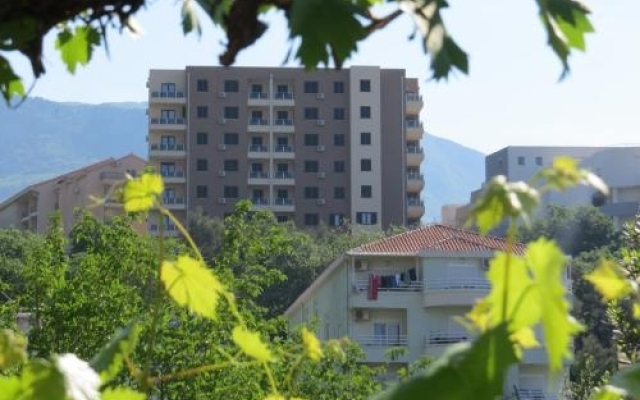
190,19
480,366
10,387
608,393
190,283
140,194
309,20
609,281
109,361
13,349
77,47
41,380
10,83
445,53
121,393
628,380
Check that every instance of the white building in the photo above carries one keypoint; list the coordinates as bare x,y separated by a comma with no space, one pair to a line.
405,290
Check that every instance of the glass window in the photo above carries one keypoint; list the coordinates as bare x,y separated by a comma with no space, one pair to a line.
311,139
311,192
311,166
539,161
338,139
365,112
338,87
365,164
231,138
338,166
339,192
231,112
202,138
365,85
202,111
311,87
282,218
365,138
365,191
338,113
231,85
336,219
202,85
311,219
201,164
201,191
230,192
231,165
367,218
311,113
520,160
167,89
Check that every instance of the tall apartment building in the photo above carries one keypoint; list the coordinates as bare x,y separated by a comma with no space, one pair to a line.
313,147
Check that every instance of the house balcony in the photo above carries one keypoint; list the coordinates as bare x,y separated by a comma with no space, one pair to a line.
260,203
400,295
168,124
283,178
173,176
158,97
415,156
413,103
112,177
258,125
259,151
283,152
280,204
167,150
532,394
283,99
414,130
376,346
258,178
258,99
283,126
415,208
437,341
174,203
415,182
169,230
454,291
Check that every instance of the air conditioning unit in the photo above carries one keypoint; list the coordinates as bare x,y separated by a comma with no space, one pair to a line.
222,121
362,315
222,147
485,264
222,173
321,202
222,95
321,148
320,122
322,175
222,200
320,96
362,265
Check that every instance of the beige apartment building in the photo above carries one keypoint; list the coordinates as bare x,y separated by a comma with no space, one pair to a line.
30,208
406,290
313,147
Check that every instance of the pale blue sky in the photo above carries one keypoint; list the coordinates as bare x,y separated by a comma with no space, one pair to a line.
511,97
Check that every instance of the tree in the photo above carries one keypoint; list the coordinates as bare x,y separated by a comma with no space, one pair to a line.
328,31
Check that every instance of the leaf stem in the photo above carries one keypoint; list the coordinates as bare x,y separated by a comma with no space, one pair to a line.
511,237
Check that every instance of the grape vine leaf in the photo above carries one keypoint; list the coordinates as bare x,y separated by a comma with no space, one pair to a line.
140,194
13,349
121,393
609,281
10,83
109,361
76,47
190,19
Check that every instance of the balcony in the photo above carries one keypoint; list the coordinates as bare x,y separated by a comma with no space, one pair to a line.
258,178
173,203
400,295
258,125
376,346
282,204
414,130
454,291
283,152
413,103
258,99
283,125
415,156
283,99
415,208
168,124
167,150
532,394
169,230
173,176
258,151
260,202
415,182
438,340
167,98
283,178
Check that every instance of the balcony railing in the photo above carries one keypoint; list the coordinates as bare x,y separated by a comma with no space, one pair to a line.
415,176
168,147
415,203
436,337
283,122
167,95
260,201
382,340
283,149
172,200
283,96
283,201
415,150
412,123
172,174
532,394
258,148
458,283
411,286
413,97
258,175
258,95
168,227
167,121
283,175
258,121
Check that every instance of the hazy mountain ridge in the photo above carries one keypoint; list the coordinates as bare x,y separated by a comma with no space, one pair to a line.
42,139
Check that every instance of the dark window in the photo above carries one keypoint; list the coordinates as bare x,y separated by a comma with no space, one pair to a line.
311,219
365,164
311,87
365,85
230,192
231,86
231,138
231,112
311,166
338,87
365,138
231,165
201,191
202,85
539,161
311,139
365,191
367,218
202,138
338,113
338,166
311,192
310,113
365,112
336,219
201,164
339,192
520,160
338,139
202,111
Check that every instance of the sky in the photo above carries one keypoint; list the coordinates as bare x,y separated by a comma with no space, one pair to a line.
512,95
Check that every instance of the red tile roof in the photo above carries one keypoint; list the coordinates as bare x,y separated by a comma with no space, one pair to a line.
435,237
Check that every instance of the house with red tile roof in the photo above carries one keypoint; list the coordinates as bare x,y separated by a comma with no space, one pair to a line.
407,290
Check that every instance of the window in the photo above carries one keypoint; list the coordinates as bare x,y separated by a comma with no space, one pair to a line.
311,166
201,191
201,164
168,88
202,111
365,138
282,115
365,112
386,333
231,86
367,218
336,219
338,87
539,161
311,192
231,112
365,85
202,85
230,192
311,139
310,113
311,87
311,219
231,138
339,192
231,165
365,191
338,113
365,164
202,138
338,166
520,160
282,218
338,139
256,88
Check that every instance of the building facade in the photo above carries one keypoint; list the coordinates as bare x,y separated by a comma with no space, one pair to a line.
30,208
407,290
313,147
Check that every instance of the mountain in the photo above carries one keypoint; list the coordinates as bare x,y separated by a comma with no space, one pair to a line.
451,172
41,139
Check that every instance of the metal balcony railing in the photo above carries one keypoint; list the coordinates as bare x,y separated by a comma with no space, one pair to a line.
258,95
260,201
172,200
283,96
382,340
168,147
258,148
258,121
412,123
283,201
258,175
172,174
413,97
415,150
413,176
283,175
281,148
415,203
458,283
411,286
439,337
167,121
284,122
